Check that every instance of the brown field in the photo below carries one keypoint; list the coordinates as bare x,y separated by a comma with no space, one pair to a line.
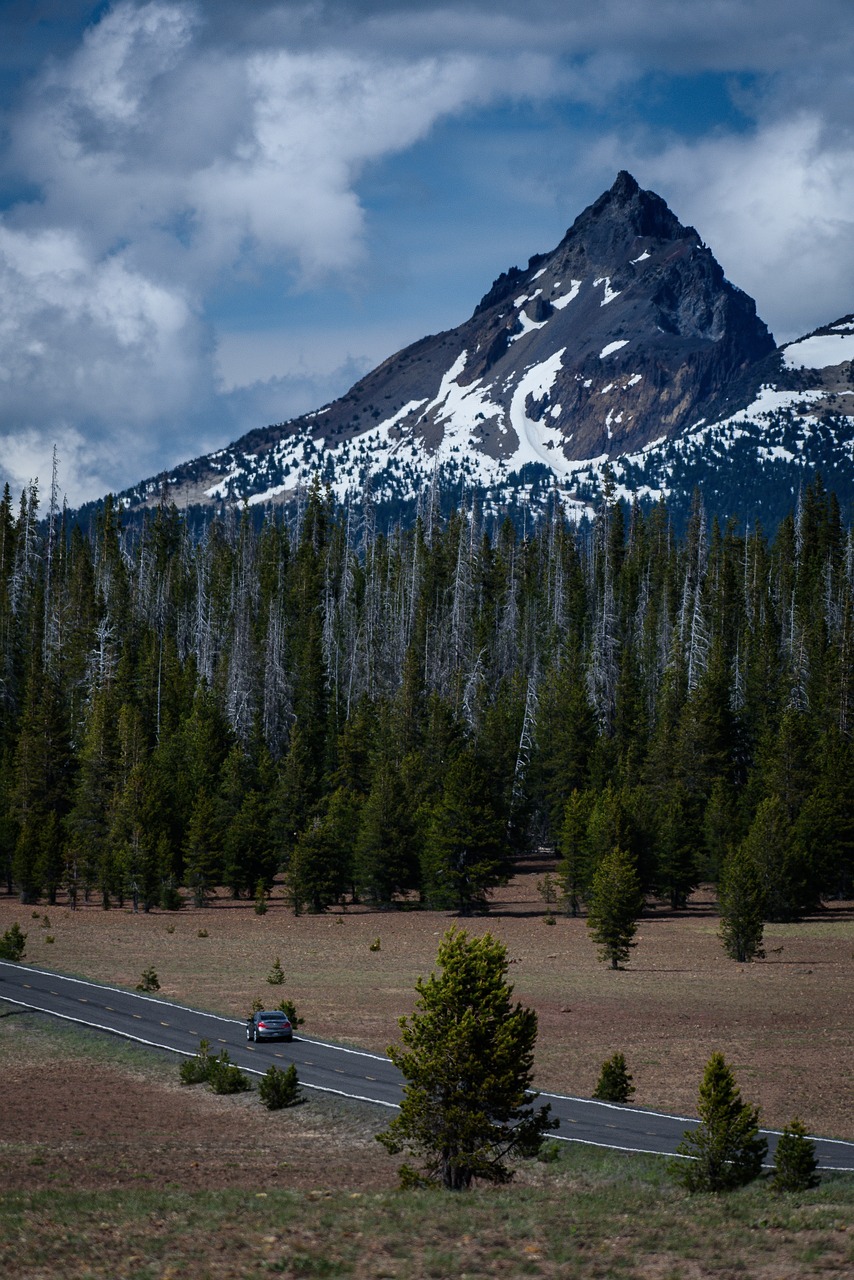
786,1024
111,1170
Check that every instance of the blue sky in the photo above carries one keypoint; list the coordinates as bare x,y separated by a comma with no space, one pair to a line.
217,215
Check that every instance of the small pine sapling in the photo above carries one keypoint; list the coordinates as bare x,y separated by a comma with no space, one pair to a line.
289,1009
149,980
279,1089
615,1081
225,1077
795,1160
276,976
196,1070
261,898
12,943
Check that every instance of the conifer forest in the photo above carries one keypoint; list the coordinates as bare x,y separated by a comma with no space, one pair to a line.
392,716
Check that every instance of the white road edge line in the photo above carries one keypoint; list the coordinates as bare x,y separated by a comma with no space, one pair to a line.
565,1097
185,1053
187,1008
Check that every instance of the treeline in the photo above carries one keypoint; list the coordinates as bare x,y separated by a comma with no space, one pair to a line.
394,715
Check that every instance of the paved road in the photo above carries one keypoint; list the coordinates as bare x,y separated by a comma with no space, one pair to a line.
350,1073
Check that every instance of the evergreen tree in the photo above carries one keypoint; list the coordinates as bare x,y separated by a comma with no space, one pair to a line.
615,1081
795,1160
616,902
321,866
725,1150
467,1057
466,853
574,868
741,900
386,863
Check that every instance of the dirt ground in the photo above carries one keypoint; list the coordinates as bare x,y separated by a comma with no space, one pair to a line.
785,1024
71,1123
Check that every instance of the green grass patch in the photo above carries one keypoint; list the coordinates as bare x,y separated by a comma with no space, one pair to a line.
590,1218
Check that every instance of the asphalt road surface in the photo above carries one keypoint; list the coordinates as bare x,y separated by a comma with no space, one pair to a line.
330,1068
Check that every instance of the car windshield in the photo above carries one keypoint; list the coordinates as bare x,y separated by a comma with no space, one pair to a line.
272,1017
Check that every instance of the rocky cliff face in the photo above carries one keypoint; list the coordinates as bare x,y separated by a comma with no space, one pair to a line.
622,344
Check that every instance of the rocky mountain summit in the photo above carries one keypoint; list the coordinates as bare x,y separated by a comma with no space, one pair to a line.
625,344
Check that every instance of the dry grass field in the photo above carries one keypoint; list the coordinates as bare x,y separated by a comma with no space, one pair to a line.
786,1023
111,1170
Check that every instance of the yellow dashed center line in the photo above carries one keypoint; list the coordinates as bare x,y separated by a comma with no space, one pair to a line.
138,1016
164,1024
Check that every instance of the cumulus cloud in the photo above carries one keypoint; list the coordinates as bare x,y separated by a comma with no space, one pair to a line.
181,149
166,165
777,207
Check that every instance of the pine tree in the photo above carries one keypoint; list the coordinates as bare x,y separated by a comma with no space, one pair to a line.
725,1150
741,900
467,1057
795,1160
466,851
321,865
616,902
615,1081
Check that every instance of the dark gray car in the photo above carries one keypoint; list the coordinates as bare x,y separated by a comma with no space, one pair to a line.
269,1024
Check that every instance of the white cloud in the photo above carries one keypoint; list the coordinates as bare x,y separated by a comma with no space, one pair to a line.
182,147
777,208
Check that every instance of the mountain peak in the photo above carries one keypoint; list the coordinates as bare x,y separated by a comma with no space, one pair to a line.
623,336
624,213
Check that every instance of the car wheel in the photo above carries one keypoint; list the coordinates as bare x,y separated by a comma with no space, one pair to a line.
248,1034
255,1034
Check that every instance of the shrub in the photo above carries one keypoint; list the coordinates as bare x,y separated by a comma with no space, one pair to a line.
149,980
225,1077
794,1160
170,898
279,1088
202,933
12,943
197,1070
276,976
257,1004
289,1009
375,945
615,1082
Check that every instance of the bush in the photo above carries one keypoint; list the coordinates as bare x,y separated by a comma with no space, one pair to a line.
279,1088
170,898
149,980
289,1009
276,976
794,1161
12,943
197,1070
615,1082
225,1077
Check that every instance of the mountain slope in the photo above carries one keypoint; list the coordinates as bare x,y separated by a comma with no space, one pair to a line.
624,344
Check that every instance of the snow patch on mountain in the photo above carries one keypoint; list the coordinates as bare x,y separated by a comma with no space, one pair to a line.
821,351
565,299
537,441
